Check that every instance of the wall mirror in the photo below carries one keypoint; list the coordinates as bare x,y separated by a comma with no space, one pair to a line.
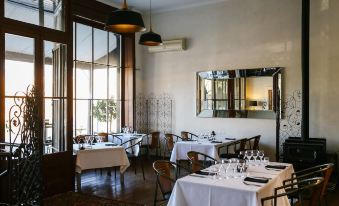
241,93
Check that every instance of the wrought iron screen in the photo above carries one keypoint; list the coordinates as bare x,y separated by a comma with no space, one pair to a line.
25,128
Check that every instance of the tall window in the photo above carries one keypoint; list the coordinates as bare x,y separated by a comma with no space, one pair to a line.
96,80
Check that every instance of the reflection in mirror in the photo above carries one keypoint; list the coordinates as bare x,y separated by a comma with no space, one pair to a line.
243,93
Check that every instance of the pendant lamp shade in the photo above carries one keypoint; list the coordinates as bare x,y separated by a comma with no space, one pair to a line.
125,21
150,38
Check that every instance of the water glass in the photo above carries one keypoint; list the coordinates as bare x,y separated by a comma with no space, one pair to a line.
241,155
266,160
261,155
255,156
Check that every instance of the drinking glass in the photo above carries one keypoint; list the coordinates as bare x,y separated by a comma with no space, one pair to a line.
247,154
241,155
250,155
87,138
255,156
241,168
261,155
266,160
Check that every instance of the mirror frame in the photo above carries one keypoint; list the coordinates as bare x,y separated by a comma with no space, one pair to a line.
274,72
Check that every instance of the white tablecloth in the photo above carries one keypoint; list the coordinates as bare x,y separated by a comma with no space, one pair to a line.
211,149
101,156
206,191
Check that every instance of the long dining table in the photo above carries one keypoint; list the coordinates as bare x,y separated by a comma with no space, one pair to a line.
100,155
206,190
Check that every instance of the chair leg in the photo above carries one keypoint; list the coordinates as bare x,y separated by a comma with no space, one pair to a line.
115,173
156,193
135,165
142,168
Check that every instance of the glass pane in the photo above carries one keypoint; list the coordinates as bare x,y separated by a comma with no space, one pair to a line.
114,51
83,43
83,117
19,63
100,46
100,82
100,116
54,14
83,80
113,116
55,125
55,69
114,83
29,11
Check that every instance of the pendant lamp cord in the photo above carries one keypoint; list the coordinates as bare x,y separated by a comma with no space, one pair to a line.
150,15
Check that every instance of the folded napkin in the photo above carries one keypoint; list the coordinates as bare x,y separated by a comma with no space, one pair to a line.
230,138
205,173
214,141
279,167
258,180
110,144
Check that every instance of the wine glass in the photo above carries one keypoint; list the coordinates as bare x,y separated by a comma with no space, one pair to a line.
87,138
241,155
250,155
255,156
241,168
261,155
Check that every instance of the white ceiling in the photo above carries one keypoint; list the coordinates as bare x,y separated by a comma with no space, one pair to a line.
160,5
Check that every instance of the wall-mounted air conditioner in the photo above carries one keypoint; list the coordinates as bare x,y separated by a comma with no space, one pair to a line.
169,45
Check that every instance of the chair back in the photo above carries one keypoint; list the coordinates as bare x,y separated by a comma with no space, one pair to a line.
199,161
155,140
132,146
184,135
79,139
324,170
104,136
239,145
254,142
165,179
313,185
169,141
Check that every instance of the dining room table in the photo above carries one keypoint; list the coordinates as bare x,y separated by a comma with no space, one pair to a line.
99,155
211,148
211,188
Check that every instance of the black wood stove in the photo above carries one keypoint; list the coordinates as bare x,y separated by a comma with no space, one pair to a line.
304,151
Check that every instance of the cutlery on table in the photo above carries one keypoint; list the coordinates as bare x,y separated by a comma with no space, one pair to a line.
251,184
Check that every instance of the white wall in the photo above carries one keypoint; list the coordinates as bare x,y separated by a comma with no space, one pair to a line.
245,34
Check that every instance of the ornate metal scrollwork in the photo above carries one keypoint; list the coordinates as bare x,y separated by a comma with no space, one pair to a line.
25,128
154,113
290,126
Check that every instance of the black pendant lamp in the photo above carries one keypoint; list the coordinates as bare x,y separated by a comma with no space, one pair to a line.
125,21
150,38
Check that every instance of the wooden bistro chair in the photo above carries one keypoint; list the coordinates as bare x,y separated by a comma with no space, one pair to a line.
154,144
187,135
324,171
313,185
233,149
133,147
167,173
79,139
169,138
104,136
254,142
199,161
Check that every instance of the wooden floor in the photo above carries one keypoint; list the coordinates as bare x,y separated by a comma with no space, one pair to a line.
135,188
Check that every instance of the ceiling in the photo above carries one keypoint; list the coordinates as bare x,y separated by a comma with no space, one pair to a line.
160,5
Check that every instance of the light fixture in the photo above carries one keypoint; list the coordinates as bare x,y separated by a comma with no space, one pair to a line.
150,38
125,21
